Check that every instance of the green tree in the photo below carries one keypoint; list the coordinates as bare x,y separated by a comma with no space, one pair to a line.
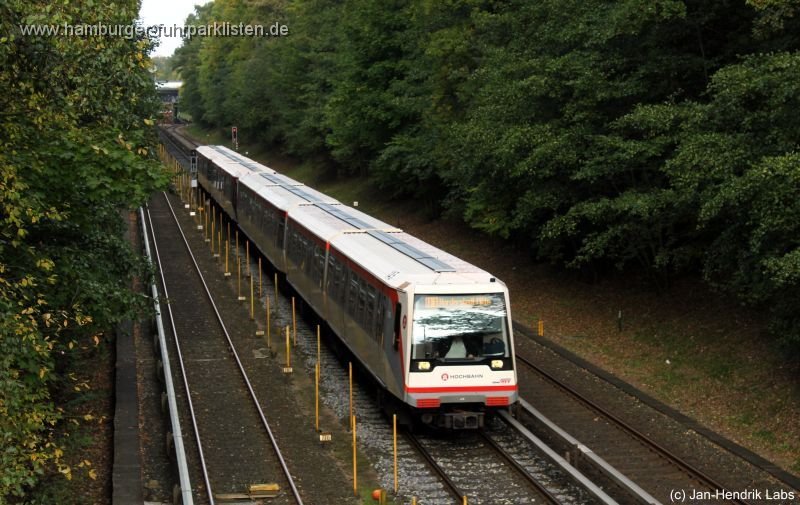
76,148
163,68
186,61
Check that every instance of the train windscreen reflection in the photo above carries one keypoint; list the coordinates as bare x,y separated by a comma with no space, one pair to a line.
460,327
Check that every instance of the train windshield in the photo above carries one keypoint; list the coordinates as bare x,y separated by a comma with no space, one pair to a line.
460,327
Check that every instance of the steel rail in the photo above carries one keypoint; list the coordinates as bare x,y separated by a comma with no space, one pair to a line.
454,489
180,450
608,470
644,439
253,396
521,470
570,470
168,372
177,151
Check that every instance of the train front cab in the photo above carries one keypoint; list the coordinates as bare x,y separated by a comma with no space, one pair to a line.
460,355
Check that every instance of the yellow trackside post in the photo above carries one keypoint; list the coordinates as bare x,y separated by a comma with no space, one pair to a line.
316,396
219,243
319,371
238,279
247,257
212,237
260,292
252,302
276,289
288,350
541,328
227,270
237,243
229,227
350,375
355,469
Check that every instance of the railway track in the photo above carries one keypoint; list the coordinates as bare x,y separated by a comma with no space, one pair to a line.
643,460
233,444
541,489
472,465
177,144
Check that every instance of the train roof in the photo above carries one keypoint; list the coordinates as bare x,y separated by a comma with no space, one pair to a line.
258,180
415,262
232,162
387,252
395,257
242,160
328,220
288,197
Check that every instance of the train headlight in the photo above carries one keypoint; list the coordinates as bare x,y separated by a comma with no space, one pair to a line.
423,365
497,363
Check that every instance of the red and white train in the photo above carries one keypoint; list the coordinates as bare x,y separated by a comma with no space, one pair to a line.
433,330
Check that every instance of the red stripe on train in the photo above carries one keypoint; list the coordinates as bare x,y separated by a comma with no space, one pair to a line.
461,389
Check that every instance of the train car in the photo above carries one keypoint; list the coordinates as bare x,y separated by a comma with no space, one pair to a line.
433,330
310,230
219,170
264,201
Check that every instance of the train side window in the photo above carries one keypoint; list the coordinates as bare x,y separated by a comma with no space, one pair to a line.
294,247
341,272
369,313
352,300
272,224
310,253
302,251
330,287
398,310
305,254
319,265
362,302
313,267
266,224
383,318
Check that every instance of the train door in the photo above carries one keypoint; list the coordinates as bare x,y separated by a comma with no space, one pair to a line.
392,311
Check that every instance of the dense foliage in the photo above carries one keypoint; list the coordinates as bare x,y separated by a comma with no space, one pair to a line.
162,68
75,151
655,136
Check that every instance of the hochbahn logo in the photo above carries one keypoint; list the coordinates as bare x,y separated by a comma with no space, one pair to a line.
446,376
